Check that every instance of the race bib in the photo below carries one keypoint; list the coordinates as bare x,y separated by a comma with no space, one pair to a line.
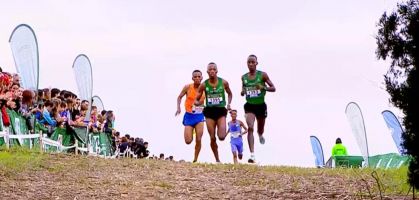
235,134
215,100
253,93
197,109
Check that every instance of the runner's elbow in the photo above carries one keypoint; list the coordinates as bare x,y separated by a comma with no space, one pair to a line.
273,89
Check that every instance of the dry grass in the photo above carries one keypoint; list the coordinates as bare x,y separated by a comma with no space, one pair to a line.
62,176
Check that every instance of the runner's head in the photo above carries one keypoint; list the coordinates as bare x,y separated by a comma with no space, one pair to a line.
233,114
212,70
338,141
197,77
252,62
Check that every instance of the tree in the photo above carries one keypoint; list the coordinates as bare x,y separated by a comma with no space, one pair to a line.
398,41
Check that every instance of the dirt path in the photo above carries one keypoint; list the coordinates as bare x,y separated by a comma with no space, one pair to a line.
70,177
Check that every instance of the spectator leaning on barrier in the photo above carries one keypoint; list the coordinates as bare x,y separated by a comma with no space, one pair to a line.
115,140
69,115
134,145
100,121
75,112
59,112
93,125
130,142
3,102
27,109
47,120
143,151
123,145
108,128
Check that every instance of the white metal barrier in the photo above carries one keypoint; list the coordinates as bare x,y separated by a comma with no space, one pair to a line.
45,142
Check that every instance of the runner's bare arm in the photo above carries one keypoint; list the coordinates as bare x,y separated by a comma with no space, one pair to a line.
230,95
271,86
199,94
244,127
179,99
243,92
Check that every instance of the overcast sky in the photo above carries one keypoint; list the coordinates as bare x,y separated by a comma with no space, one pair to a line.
319,54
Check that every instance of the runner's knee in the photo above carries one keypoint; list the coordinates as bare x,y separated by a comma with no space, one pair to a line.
188,141
221,138
198,140
250,129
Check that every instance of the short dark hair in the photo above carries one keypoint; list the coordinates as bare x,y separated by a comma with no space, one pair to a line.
212,63
67,95
18,85
55,92
252,55
233,111
338,141
40,92
196,70
145,143
48,103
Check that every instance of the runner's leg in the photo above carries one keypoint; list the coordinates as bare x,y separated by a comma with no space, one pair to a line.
250,120
199,130
235,157
261,128
221,128
211,130
188,134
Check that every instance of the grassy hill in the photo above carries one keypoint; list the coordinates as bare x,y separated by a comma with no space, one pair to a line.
28,174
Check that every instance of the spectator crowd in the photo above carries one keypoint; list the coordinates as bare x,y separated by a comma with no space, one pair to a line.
51,108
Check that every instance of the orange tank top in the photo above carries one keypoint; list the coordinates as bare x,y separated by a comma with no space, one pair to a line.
190,97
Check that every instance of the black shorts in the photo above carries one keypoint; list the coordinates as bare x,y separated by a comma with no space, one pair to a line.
260,110
215,112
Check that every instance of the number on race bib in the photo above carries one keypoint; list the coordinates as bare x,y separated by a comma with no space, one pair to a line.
253,93
215,100
197,109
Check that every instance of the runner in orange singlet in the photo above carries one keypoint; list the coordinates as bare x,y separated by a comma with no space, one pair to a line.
193,120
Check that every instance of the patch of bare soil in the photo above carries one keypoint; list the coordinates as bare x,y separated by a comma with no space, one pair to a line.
72,177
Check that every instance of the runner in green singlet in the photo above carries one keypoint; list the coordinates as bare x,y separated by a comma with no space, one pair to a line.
254,87
215,111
